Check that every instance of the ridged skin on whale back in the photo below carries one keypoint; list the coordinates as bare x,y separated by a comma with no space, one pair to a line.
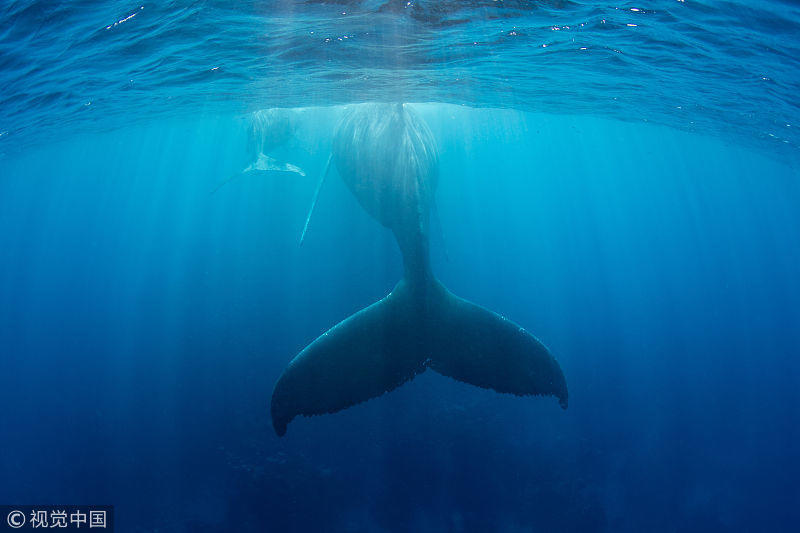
387,157
270,129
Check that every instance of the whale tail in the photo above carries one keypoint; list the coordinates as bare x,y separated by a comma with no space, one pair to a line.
414,328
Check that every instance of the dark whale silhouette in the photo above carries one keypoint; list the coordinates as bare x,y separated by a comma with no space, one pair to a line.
387,157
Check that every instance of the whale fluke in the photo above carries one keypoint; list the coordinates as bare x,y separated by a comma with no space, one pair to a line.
370,353
482,348
413,328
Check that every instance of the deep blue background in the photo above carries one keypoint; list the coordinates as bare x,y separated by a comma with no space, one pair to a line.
144,321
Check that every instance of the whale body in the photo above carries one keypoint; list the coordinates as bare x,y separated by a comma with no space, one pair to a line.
387,157
270,129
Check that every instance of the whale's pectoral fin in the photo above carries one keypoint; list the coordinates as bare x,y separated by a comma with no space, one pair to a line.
482,348
315,197
364,356
225,182
266,163
263,163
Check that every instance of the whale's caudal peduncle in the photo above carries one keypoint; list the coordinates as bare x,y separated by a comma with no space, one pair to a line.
387,157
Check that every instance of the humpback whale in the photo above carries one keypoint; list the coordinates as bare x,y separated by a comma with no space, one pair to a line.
387,157
269,129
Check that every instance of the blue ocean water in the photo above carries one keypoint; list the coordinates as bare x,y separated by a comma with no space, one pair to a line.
628,193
